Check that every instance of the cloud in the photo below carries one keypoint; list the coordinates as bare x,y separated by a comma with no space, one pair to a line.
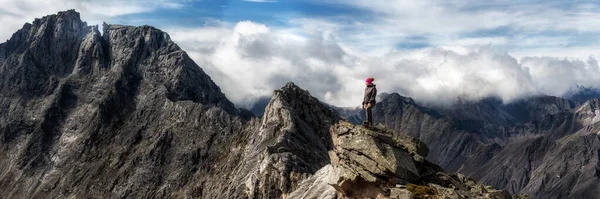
15,13
251,60
449,17
382,26
554,76
437,52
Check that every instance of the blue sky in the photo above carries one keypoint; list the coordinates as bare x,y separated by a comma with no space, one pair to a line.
517,26
435,51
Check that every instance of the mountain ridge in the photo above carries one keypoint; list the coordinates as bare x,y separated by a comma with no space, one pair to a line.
521,138
127,114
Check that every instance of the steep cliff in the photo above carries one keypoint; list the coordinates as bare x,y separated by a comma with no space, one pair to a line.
125,113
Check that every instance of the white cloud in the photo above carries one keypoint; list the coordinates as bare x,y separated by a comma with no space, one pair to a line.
251,60
478,41
201,40
554,76
448,17
560,52
509,25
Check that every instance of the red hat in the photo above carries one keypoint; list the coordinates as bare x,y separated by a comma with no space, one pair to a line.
370,80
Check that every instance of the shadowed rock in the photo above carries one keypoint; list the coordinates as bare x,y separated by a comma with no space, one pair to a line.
122,114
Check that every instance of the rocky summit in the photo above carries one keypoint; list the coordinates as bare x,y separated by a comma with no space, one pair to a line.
127,114
378,163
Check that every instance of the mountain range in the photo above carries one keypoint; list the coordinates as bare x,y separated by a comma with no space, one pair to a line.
126,113
545,146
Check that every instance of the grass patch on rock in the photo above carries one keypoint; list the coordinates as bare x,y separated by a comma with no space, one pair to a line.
420,191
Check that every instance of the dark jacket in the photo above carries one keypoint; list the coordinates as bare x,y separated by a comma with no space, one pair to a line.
370,94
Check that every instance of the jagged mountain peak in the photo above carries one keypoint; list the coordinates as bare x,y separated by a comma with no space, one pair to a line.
146,31
66,23
302,104
59,47
291,144
397,97
124,107
292,92
68,15
592,103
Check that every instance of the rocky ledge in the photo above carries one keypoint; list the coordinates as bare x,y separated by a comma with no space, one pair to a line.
378,163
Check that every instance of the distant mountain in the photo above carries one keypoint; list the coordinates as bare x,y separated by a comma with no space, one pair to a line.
258,108
547,147
127,114
583,94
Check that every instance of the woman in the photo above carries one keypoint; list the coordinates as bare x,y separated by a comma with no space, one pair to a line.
369,100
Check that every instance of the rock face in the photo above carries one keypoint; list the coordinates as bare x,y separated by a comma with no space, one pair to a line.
378,163
544,146
367,158
125,113
291,144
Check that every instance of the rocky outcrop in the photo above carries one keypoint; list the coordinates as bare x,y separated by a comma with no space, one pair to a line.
318,186
367,158
588,113
378,163
291,144
507,146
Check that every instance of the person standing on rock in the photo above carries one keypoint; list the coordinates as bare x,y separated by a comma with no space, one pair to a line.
369,100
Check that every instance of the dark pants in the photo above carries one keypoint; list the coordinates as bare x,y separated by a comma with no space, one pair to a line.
369,116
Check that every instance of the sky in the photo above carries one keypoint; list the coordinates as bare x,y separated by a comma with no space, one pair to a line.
438,52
